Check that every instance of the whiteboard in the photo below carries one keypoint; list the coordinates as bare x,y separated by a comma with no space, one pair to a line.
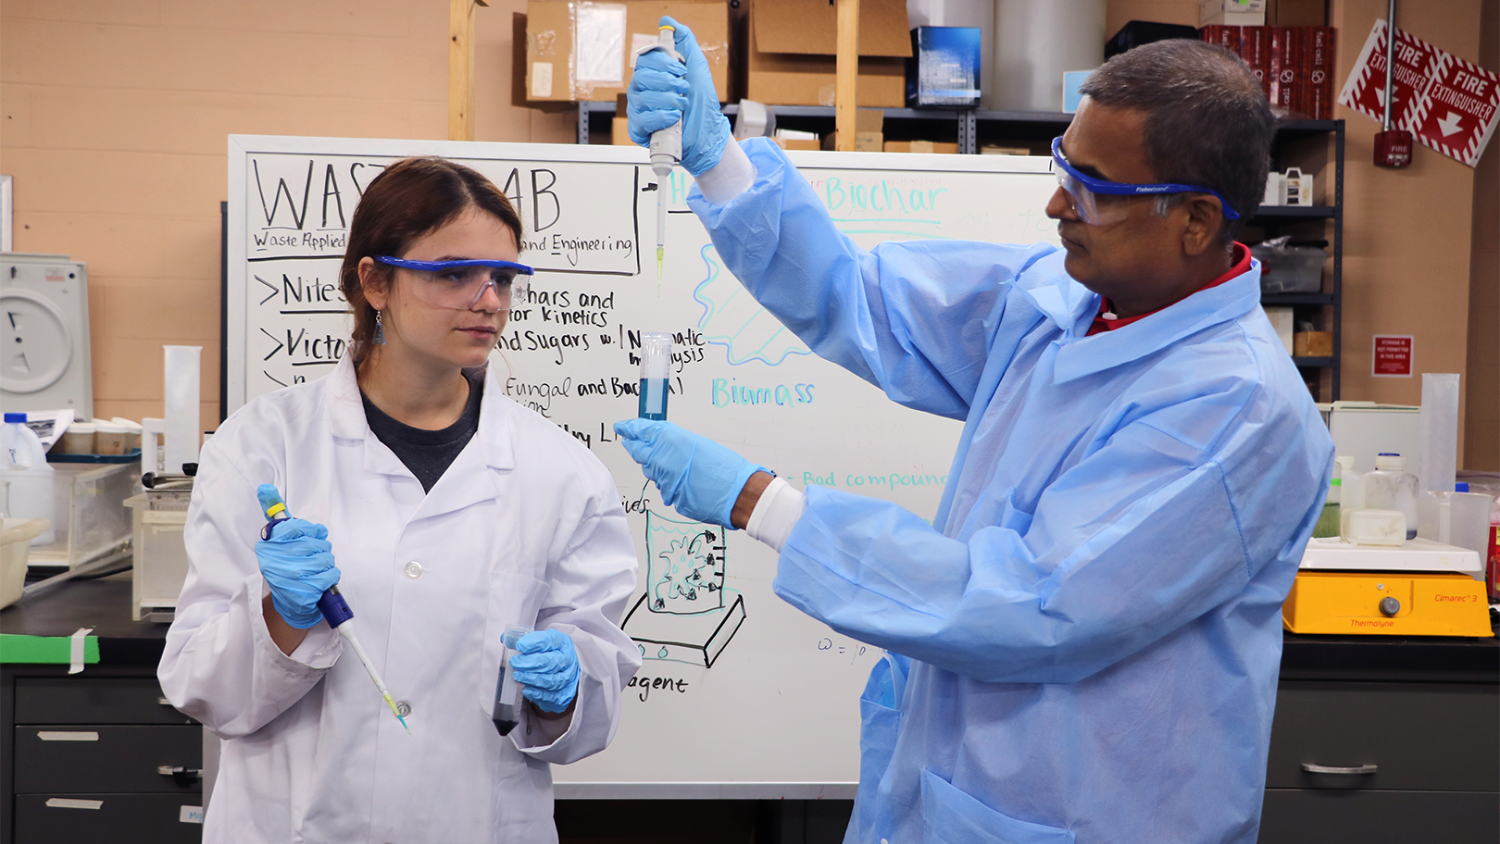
740,695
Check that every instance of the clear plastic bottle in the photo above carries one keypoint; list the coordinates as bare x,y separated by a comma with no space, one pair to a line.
1328,522
1350,497
1391,487
23,465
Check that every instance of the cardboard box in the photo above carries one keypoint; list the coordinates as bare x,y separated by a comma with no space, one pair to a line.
869,132
1232,12
1297,12
577,51
944,69
799,143
619,132
1313,344
792,45
922,146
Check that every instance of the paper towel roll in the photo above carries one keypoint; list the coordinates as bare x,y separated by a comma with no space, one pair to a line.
181,376
1035,43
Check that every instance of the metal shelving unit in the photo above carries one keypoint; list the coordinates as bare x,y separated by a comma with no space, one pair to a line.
1036,128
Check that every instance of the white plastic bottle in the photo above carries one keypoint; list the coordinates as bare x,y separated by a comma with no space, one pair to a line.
1391,487
23,464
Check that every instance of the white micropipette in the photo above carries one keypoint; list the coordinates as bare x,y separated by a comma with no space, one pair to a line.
666,153
333,606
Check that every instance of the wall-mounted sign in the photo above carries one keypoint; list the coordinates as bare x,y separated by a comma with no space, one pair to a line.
1392,358
1448,104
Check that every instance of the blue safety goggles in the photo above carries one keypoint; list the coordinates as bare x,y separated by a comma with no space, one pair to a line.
459,284
1083,189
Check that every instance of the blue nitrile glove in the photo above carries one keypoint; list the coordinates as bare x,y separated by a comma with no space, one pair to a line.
696,475
663,90
547,669
297,562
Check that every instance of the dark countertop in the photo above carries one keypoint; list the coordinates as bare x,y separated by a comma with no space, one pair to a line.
101,604
105,606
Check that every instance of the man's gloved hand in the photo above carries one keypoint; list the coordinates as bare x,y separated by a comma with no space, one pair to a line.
663,90
696,475
297,563
547,669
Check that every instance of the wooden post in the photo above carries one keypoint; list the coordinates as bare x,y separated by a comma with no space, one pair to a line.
846,74
461,68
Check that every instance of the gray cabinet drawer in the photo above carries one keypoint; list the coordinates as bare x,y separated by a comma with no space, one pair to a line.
68,759
1421,736
1324,816
100,700
96,819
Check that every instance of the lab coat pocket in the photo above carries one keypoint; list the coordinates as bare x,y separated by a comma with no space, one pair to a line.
880,724
951,816
514,601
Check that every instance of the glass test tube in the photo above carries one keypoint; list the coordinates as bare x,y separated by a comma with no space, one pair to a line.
656,366
507,690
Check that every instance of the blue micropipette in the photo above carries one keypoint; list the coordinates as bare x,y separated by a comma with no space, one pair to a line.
333,606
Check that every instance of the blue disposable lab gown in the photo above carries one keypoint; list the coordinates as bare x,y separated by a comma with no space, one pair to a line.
1094,625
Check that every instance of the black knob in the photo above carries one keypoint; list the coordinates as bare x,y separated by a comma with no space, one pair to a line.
1389,607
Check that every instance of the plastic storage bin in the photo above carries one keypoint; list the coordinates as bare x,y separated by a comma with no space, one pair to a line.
161,562
15,546
1290,269
91,517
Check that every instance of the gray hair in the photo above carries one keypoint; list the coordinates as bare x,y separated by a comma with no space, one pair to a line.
1207,121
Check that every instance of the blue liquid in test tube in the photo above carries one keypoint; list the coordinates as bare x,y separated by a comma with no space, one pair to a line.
656,368
507,691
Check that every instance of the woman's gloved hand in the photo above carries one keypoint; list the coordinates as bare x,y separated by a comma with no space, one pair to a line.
696,475
547,669
663,90
297,563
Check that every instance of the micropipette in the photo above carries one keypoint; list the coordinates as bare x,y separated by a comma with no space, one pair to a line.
333,606
666,153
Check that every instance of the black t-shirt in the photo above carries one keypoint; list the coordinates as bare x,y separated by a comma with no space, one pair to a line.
428,454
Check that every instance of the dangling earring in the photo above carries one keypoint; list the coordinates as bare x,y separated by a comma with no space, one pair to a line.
379,338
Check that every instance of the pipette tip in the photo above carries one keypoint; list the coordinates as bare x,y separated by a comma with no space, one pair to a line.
396,712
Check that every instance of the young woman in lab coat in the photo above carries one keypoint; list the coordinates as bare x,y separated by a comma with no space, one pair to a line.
451,512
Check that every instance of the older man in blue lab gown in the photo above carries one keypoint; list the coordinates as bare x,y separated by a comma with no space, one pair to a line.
1084,644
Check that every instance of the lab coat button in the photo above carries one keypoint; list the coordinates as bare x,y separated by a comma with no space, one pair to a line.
1389,607
404,708
414,569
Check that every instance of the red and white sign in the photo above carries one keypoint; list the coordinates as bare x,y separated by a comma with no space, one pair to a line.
1448,104
1392,358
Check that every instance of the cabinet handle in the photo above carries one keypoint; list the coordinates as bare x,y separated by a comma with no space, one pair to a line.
163,701
182,776
1327,769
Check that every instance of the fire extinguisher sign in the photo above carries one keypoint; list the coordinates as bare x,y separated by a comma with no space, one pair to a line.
1448,104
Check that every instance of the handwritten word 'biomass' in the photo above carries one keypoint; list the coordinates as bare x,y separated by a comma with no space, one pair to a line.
726,393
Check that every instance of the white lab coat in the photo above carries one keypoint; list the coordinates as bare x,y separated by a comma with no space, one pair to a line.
525,528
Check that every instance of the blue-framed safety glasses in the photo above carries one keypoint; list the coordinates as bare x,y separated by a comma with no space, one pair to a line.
1085,190
459,284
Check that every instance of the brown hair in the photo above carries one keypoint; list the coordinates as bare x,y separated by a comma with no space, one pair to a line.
407,200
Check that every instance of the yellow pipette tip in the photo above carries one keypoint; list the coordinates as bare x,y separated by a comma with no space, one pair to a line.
396,712
659,254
